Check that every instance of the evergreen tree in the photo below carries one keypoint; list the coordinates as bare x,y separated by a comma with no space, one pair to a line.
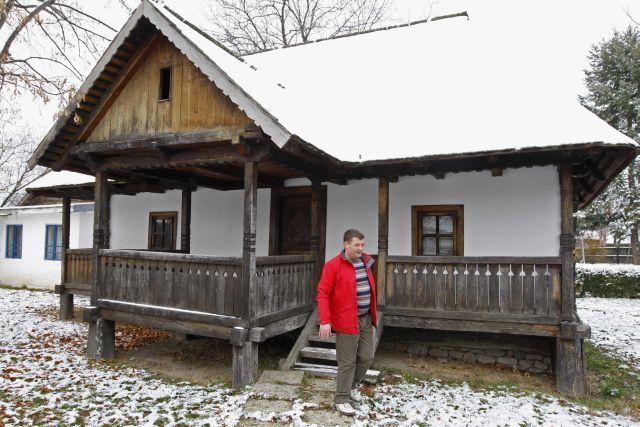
613,83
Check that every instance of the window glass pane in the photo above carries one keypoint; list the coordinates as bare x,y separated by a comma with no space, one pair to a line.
428,246
446,224
428,224
49,235
445,246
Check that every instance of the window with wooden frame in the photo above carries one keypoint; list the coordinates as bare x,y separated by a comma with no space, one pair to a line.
437,230
162,231
164,91
14,241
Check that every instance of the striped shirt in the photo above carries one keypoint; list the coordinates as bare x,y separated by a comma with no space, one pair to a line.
363,288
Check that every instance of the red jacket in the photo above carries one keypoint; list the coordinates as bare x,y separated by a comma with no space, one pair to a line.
337,298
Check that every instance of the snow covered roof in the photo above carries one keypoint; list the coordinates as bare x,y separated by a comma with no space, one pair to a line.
443,87
61,178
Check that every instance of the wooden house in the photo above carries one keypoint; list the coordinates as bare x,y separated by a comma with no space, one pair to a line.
223,184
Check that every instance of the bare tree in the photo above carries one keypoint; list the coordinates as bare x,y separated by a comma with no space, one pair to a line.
44,45
16,145
250,26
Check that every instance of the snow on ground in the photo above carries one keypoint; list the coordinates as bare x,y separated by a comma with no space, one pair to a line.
46,379
615,325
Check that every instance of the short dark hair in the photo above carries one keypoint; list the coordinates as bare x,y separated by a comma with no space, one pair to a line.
351,233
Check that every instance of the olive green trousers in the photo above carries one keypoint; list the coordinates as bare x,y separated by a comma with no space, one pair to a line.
354,354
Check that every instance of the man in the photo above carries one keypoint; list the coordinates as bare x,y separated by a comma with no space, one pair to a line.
347,304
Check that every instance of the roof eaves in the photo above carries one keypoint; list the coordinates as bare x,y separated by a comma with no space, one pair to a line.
86,85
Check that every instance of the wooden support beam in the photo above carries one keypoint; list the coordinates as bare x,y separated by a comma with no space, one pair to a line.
245,361
193,157
571,377
314,238
567,244
185,221
66,299
247,298
218,136
383,238
101,340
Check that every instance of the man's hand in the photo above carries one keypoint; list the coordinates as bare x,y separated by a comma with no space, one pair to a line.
325,331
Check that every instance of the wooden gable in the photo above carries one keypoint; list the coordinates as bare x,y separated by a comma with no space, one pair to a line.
195,102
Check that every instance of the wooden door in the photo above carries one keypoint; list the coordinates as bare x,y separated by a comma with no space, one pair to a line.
294,227
290,229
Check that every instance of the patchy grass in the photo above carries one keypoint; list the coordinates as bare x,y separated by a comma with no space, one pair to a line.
615,385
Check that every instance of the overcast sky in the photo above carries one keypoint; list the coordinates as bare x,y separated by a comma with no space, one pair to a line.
564,30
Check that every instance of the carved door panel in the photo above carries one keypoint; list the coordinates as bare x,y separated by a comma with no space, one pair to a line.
294,225
290,221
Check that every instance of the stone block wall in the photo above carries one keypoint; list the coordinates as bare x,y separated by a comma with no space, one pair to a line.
529,354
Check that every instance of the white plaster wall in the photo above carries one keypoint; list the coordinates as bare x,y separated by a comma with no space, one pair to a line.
352,206
516,214
84,229
32,269
216,220
129,223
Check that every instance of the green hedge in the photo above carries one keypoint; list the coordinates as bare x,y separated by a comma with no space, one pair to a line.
608,280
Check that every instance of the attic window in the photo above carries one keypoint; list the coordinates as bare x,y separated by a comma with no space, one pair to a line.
164,91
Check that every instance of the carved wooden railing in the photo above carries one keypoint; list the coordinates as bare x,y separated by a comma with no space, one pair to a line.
510,287
284,283
78,269
150,282
201,284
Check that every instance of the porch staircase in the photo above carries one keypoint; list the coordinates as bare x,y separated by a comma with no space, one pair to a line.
316,356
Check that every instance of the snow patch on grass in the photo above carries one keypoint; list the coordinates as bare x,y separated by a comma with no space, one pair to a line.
46,379
615,325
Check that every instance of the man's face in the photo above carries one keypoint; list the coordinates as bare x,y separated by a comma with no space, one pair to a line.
354,248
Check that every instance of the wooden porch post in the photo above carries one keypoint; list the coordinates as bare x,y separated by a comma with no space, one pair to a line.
185,221
383,237
245,352
314,238
570,366
101,342
66,299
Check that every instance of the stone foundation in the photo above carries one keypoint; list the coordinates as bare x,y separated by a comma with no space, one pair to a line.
525,353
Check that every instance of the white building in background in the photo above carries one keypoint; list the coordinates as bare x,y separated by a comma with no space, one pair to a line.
31,236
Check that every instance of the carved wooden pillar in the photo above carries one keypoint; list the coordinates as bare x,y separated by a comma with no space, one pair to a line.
185,221
66,299
314,238
245,351
383,237
570,366
101,343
